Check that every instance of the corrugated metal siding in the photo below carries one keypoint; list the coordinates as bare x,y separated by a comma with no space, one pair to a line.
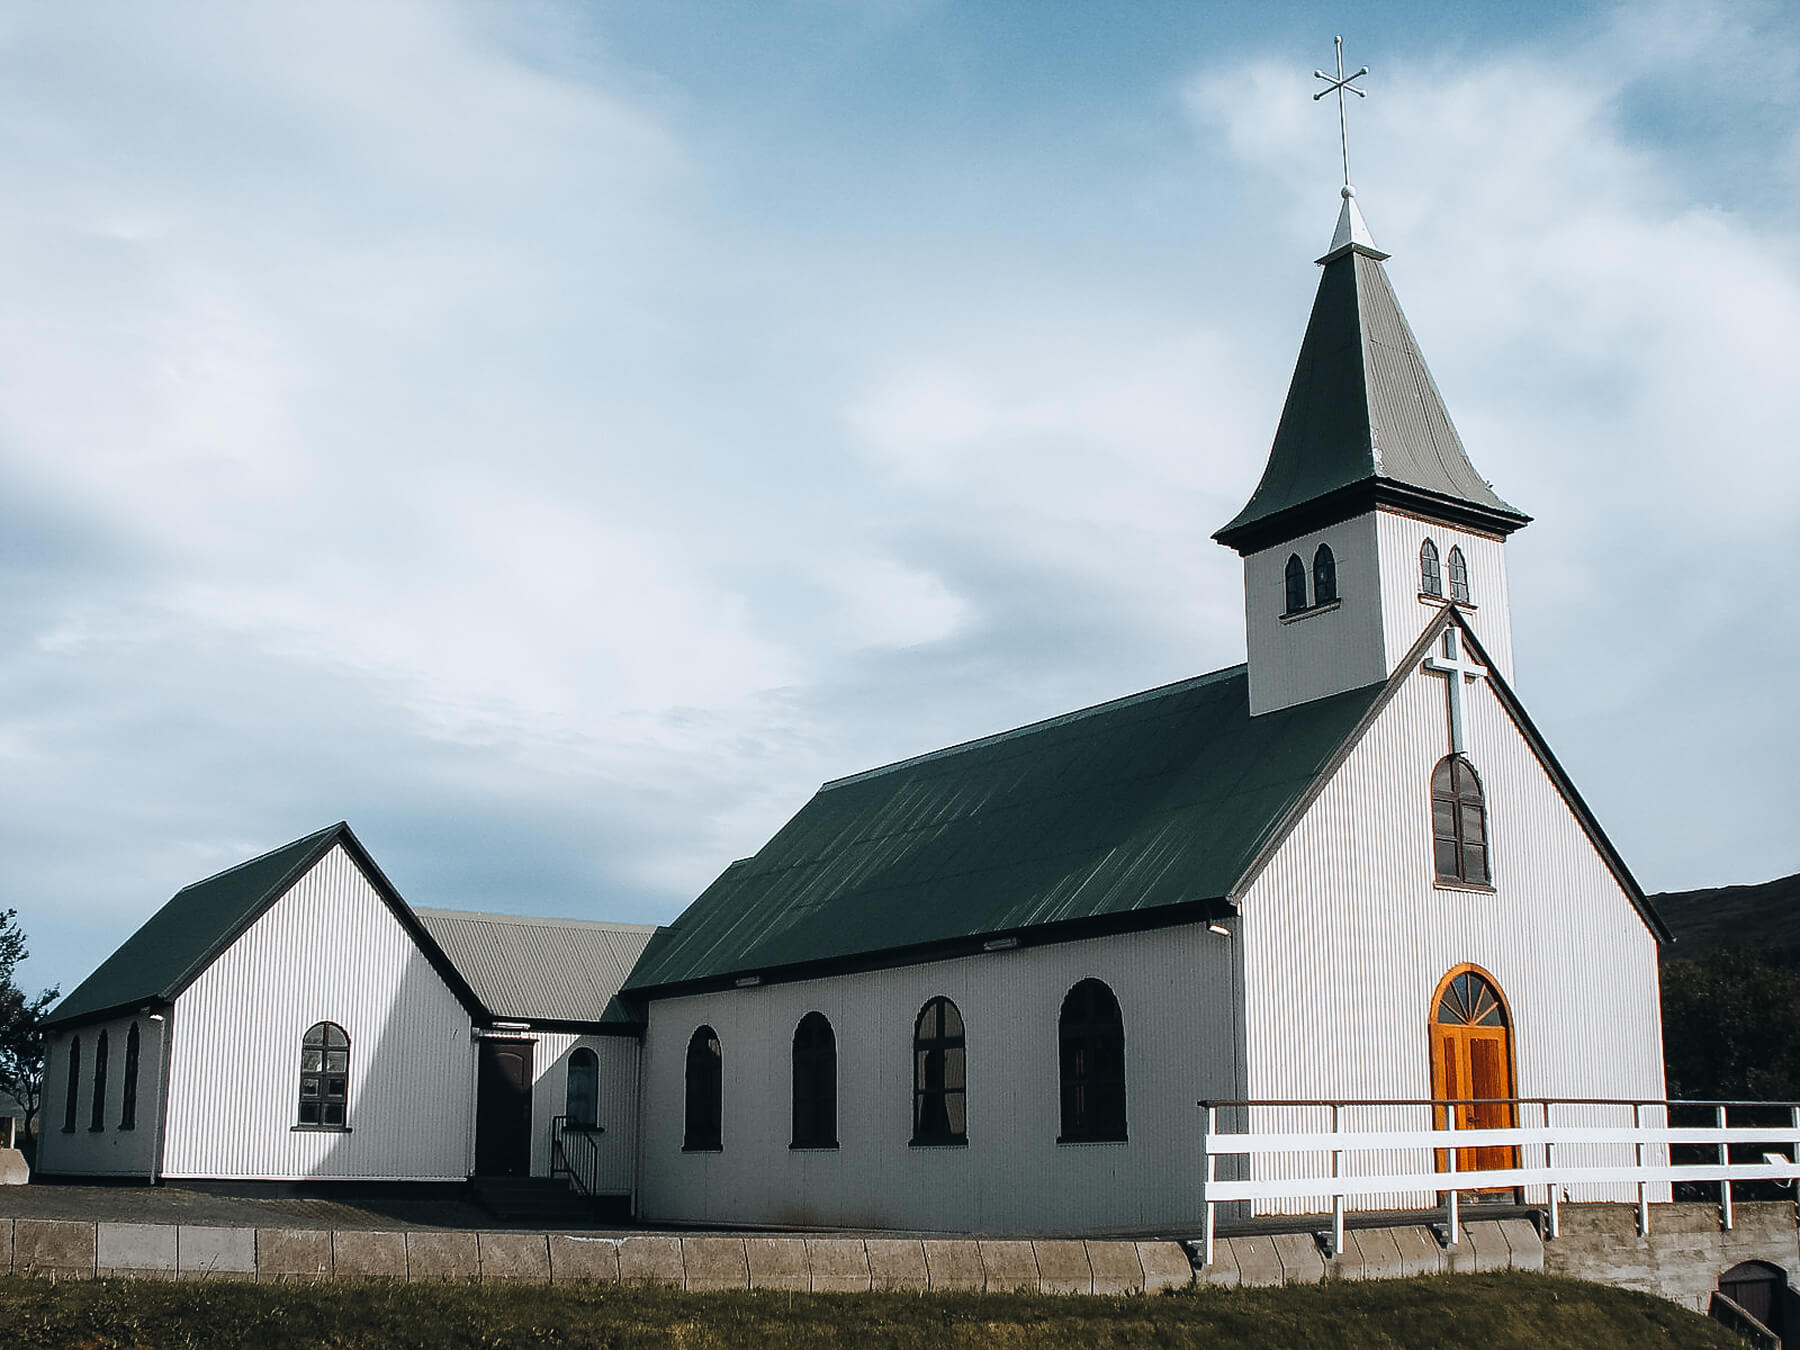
110,1151
1405,615
1175,988
538,969
1346,937
617,1113
1323,653
328,950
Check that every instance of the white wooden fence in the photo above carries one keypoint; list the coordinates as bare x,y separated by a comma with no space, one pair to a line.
1425,1160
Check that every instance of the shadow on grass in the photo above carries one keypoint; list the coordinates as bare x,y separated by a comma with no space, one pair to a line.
1493,1312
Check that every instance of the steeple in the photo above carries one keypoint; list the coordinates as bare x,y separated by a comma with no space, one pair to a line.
1364,424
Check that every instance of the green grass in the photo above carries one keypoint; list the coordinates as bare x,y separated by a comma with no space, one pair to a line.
1490,1312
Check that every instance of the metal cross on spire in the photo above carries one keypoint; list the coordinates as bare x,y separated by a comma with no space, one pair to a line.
1337,86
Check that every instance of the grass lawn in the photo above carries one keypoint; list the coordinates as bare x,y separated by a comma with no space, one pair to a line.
1488,1312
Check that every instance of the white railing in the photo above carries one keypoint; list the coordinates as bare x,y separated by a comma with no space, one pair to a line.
1645,1142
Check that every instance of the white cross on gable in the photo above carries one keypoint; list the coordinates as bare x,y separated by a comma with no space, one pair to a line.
1459,666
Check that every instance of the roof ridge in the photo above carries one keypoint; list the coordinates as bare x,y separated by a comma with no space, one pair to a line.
532,920
1061,719
261,857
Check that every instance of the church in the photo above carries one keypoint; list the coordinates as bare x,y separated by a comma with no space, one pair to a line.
983,990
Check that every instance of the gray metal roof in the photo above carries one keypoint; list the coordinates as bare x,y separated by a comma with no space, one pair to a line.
1363,423
539,970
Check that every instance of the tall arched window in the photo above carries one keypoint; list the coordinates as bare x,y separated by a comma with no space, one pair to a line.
1459,577
1091,1033
128,1094
325,1077
582,1102
940,1076
705,1093
815,1083
97,1115
1431,577
1324,576
73,1089
1458,823
1296,584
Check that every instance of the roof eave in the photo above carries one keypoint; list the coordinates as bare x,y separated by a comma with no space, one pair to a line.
1354,499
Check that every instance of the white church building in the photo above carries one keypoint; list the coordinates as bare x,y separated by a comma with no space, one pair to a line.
984,989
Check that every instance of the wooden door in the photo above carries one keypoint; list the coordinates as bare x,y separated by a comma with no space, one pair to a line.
503,1109
1471,1065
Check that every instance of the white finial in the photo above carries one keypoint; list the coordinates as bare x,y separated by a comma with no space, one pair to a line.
1338,86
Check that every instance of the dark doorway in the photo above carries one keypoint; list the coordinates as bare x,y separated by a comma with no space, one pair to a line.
1761,1290
503,1109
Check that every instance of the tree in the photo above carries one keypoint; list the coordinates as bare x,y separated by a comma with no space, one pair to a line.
21,1024
1731,1026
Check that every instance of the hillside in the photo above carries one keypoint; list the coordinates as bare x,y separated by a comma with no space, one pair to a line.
1764,918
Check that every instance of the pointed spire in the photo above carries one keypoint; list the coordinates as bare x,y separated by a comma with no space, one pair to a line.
1351,229
1364,424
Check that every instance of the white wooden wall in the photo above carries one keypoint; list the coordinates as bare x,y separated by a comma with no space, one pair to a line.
328,950
617,1113
109,1151
1346,935
1174,987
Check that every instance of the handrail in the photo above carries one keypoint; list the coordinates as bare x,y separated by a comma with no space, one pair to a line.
1446,1141
583,1167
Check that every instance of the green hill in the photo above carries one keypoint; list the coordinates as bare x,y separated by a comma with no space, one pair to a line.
1764,918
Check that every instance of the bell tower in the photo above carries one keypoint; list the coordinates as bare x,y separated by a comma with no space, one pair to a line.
1369,517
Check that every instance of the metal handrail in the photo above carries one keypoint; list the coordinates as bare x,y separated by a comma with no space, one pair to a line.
583,1171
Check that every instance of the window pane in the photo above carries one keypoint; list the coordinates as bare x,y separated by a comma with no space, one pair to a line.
1471,824
335,1037
309,1113
309,1087
315,1035
953,1023
334,1113
1446,858
311,1060
953,1068
956,1111
337,1061
1476,859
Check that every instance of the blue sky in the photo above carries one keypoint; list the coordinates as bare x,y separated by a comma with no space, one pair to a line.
556,437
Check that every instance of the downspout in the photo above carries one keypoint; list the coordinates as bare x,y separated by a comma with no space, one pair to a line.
637,1124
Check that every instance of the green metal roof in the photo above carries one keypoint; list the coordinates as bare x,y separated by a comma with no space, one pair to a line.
1147,809
184,937
1363,423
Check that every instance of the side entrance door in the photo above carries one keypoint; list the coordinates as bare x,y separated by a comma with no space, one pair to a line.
1471,1066
503,1109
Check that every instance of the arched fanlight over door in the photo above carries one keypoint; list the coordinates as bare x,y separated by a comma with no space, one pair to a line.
1471,1065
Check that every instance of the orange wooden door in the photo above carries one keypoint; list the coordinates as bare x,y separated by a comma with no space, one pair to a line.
1471,1066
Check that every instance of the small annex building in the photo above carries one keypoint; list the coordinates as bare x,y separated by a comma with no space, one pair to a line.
983,989
293,1019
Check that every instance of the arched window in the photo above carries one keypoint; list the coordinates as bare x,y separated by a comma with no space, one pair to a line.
1431,579
1091,1033
1459,577
1458,822
128,1096
97,1114
1324,576
582,1103
815,1083
705,1093
940,1076
73,1089
325,1077
1296,584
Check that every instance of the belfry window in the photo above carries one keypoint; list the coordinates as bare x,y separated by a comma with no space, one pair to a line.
1459,577
1431,577
582,1098
815,1083
1091,1037
97,1120
705,1093
1458,823
128,1094
73,1088
1324,576
940,1076
325,1077
1296,584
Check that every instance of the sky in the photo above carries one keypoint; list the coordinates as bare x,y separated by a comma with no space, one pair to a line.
556,437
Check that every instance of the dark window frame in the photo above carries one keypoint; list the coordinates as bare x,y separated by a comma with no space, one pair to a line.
815,1083
72,1090
704,1077
324,1078
1458,567
128,1092
1461,843
1431,572
97,1108
1294,584
1090,1034
940,1075
582,1058
1324,571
